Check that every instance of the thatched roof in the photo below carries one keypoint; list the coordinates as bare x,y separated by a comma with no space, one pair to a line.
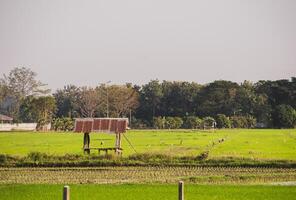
5,118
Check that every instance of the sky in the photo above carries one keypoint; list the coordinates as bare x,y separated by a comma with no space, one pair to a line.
89,42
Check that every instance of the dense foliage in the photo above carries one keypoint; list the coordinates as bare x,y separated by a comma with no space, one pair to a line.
223,121
63,124
284,116
167,104
244,105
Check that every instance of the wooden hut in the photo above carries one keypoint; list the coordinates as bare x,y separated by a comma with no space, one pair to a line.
116,126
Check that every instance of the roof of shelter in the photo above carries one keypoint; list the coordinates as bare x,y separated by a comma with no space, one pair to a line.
109,125
5,118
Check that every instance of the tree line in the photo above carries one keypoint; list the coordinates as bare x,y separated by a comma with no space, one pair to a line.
157,104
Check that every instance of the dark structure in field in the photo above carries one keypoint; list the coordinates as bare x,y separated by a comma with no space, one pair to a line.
115,126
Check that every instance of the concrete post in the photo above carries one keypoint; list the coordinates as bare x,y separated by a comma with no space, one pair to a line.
66,193
181,190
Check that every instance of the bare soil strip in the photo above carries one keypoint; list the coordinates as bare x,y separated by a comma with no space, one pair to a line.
103,175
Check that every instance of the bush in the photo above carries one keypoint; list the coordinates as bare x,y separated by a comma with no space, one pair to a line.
223,121
192,122
203,156
237,122
284,116
159,122
139,124
251,121
173,122
178,122
63,124
243,121
167,122
3,159
208,122
37,156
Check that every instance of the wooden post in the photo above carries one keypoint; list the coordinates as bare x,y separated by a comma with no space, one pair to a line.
181,190
116,140
119,140
66,193
117,143
86,142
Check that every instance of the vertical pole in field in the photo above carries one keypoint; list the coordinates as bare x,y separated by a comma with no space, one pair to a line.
66,193
86,142
181,190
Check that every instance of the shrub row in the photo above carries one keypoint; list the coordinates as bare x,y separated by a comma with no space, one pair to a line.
167,122
193,122
37,159
190,122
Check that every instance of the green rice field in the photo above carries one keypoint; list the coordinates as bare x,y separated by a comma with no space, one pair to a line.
154,182
147,192
276,144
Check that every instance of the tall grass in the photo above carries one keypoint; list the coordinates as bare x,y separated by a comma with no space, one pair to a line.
38,159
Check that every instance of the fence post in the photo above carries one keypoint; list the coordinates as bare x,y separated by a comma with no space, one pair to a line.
181,190
66,193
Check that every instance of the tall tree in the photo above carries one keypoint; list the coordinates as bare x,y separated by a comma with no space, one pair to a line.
22,82
19,83
179,98
27,110
278,92
88,101
67,101
284,116
218,97
150,99
122,100
43,108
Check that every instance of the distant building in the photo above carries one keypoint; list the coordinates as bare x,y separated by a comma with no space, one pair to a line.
7,125
5,119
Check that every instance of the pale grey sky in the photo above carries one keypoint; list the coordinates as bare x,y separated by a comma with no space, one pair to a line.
92,41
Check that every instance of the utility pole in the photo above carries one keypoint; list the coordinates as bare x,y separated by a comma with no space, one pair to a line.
130,118
107,97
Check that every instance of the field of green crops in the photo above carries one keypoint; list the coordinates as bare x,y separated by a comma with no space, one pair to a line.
150,181
276,144
147,192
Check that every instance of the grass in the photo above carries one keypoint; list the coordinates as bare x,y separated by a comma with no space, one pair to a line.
37,159
147,192
242,157
270,144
